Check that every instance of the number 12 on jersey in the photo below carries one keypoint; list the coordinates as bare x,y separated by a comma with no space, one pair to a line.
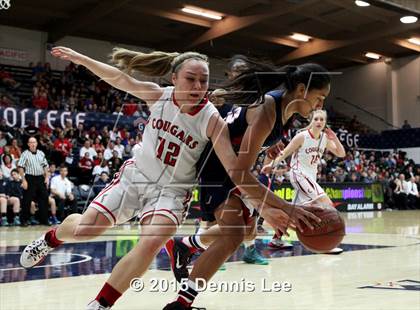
171,152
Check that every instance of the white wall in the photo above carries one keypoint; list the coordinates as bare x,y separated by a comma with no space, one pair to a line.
364,86
407,90
28,41
388,90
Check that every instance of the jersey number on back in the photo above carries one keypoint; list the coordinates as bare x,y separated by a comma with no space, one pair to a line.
171,153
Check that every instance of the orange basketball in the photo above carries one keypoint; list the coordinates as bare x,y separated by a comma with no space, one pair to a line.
327,234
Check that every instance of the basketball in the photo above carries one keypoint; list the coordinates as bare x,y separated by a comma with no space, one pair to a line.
327,234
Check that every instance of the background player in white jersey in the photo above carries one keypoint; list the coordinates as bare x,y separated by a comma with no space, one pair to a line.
306,149
156,182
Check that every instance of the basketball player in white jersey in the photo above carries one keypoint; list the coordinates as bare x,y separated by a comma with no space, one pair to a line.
306,150
156,183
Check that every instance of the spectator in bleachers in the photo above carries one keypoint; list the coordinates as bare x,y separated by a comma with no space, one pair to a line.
128,150
102,167
98,159
40,101
410,172
5,101
340,175
130,107
68,128
353,177
15,149
369,176
3,201
406,125
105,134
87,148
101,183
80,134
413,194
7,166
92,134
6,151
119,147
98,146
354,124
52,169
117,111
61,190
38,70
86,168
114,134
46,144
44,127
114,162
14,192
125,136
3,140
400,192
7,79
62,147
108,153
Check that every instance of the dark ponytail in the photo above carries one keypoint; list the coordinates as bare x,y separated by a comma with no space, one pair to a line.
260,78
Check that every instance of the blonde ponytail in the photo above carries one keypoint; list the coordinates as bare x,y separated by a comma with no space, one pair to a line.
152,64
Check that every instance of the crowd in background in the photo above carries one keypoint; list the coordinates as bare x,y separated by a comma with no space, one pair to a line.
93,155
399,176
75,90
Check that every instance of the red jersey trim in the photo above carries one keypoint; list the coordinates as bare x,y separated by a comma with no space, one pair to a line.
310,133
196,109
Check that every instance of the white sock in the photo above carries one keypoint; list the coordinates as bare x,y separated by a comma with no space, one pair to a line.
249,243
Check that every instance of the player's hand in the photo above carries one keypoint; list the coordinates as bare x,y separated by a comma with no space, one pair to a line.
276,217
66,53
216,97
330,134
302,216
24,184
267,169
274,150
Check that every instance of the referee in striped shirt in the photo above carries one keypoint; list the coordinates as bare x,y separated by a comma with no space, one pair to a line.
33,168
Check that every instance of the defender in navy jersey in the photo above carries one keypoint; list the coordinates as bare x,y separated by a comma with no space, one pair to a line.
215,183
260,123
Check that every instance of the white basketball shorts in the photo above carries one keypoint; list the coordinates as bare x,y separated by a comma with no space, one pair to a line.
131,194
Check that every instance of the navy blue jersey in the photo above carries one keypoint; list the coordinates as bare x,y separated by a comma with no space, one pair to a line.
215,184
2,186
14,189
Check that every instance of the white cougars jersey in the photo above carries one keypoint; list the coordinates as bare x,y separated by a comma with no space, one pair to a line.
173,142
306,159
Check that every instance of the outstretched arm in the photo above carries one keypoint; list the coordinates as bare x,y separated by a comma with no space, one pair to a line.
292,147
147,91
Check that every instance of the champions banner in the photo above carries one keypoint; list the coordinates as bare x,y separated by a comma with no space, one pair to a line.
21,118
347,197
